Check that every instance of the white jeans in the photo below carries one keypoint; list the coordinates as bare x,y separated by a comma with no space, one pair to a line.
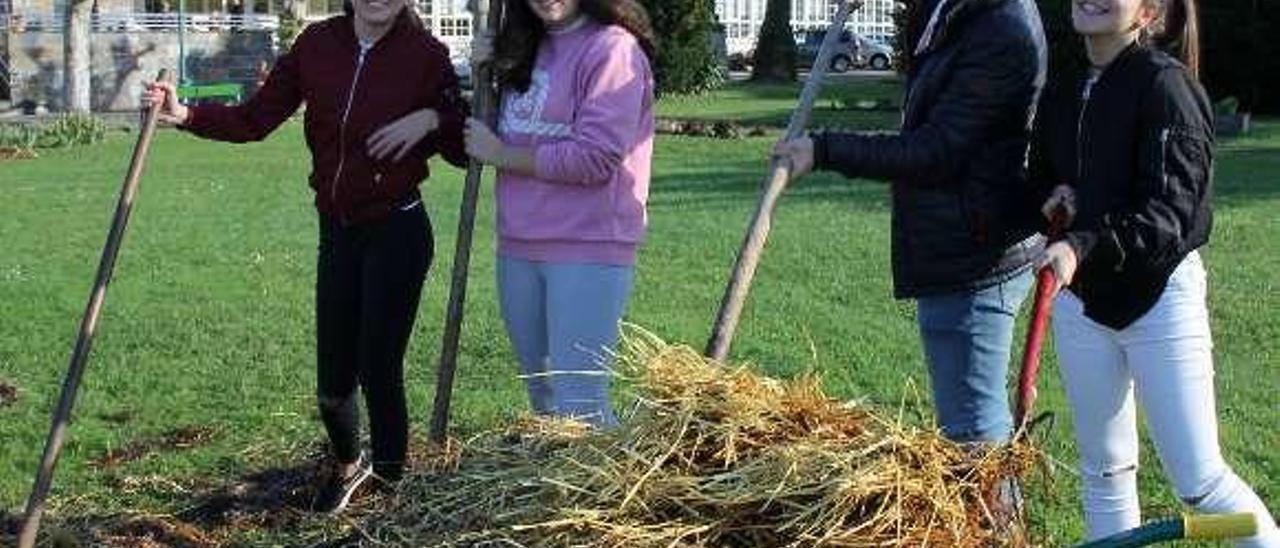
1166,358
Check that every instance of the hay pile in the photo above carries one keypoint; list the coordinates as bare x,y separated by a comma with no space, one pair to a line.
710,456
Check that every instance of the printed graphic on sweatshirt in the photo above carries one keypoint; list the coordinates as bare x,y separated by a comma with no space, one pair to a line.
522,114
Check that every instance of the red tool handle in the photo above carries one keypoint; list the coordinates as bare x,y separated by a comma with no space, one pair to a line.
1046,287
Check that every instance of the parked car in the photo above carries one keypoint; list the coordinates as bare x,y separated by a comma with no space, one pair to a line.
462,67
741,60
853,51
845,58
884,39
878,54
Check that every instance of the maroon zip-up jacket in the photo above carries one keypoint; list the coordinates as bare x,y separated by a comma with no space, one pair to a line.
348,97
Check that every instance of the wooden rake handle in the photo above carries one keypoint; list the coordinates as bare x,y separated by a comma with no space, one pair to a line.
88,326
484,17
744,269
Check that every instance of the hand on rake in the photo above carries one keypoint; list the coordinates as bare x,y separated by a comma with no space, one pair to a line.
798,153
1059,256
165,94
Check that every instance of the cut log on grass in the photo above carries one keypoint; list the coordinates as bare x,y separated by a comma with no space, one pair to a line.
88,326
485,16
744,269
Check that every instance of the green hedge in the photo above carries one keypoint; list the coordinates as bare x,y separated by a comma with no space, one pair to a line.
686,54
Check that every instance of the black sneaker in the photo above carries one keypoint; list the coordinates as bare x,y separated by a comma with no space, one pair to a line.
333,496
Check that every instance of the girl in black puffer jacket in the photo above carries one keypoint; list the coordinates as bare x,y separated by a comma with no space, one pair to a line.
1126,148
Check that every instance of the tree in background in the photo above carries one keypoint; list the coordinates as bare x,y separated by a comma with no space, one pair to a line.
775,58
1240,57
685,30
1241,54
75,49
907,25
1064,45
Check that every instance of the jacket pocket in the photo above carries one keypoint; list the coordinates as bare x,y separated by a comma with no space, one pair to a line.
1182,161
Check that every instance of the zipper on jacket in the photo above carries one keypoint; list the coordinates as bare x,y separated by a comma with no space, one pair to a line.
1085,95
342,126
1164,151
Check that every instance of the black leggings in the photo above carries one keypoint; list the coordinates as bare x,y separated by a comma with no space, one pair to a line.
368,281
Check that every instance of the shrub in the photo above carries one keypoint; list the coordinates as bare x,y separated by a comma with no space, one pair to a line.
21,140
685,30
72,130
19,136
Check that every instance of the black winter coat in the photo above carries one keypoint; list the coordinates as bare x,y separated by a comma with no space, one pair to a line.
958,165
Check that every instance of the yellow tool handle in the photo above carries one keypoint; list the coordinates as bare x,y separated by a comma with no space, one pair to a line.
1220,526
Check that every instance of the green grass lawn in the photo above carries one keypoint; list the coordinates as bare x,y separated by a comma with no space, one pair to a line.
209,319
771,104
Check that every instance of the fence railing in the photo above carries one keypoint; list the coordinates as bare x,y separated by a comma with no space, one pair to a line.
146,22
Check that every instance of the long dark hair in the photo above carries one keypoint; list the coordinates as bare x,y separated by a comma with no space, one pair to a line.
522,32
1176,30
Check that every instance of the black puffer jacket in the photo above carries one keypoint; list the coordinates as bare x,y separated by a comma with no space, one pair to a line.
1139,153
959,164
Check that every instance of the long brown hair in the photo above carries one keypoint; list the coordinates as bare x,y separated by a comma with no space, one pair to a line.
522,32
1176,30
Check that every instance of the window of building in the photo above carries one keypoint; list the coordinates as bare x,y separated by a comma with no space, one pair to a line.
453,26
323,7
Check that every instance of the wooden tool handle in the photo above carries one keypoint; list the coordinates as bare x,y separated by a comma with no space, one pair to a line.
484,17
88,326
744,269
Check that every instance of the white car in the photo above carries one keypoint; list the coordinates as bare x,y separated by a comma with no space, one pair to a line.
462,67
875,53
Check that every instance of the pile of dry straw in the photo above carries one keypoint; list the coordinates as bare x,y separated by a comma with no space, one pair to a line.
711,456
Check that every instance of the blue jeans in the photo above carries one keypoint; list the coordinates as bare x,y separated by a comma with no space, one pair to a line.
967,338
563,322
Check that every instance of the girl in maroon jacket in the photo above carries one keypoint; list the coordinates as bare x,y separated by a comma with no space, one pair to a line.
381,97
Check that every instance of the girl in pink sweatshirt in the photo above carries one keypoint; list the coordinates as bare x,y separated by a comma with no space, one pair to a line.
572,150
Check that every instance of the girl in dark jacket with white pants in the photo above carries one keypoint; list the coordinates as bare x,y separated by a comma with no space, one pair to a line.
1126,148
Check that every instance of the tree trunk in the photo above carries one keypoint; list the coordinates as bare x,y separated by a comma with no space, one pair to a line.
75,47
775,59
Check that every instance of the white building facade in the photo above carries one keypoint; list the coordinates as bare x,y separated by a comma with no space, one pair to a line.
742,19
450,20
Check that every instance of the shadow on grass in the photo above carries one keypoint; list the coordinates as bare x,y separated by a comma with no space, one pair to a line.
740,184
275,499
873,85
825,114
1248,168
822,117
269,506
187,437
772,104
